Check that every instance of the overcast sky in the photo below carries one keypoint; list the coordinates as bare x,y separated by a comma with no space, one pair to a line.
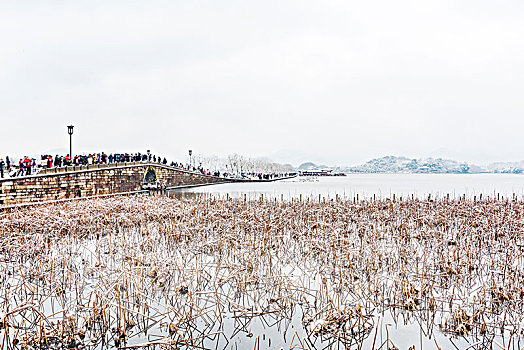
337,82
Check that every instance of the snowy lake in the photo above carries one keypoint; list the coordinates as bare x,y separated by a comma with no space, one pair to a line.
378,185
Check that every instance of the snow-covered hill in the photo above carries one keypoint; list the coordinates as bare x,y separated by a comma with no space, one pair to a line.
392,164
507,167
405,165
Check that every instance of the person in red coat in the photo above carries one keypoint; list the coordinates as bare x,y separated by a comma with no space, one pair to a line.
27,166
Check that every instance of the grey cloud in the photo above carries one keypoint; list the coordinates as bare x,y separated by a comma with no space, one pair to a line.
346,80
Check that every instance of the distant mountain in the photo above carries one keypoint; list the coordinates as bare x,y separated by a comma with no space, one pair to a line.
312,166
392,164
405,165
507,167
295,156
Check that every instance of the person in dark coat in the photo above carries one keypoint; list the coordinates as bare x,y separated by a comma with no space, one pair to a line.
20,171
2,168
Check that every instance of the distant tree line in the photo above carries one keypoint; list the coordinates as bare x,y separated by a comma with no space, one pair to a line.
239,164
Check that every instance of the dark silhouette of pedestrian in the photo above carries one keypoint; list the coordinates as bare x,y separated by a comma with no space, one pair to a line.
20,168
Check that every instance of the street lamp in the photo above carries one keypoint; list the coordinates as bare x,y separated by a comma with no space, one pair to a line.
190,154
70,132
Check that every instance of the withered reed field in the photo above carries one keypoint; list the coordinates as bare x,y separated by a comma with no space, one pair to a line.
165,273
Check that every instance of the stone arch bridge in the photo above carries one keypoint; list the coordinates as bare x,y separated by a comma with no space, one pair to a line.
98,180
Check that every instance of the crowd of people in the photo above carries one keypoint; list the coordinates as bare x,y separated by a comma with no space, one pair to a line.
30,166
9,169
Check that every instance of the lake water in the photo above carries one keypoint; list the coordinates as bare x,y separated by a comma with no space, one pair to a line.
368,185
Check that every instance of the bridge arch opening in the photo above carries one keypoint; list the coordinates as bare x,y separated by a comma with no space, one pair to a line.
150,177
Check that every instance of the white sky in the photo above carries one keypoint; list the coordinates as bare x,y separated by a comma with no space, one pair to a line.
337,82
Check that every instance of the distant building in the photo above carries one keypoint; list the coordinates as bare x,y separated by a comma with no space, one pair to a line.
323,172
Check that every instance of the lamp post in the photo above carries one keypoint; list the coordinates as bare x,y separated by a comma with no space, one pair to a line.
70,132
190,154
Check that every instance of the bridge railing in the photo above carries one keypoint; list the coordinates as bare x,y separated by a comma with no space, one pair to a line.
92,167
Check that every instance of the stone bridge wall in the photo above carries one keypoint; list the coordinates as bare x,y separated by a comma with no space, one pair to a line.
78,182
